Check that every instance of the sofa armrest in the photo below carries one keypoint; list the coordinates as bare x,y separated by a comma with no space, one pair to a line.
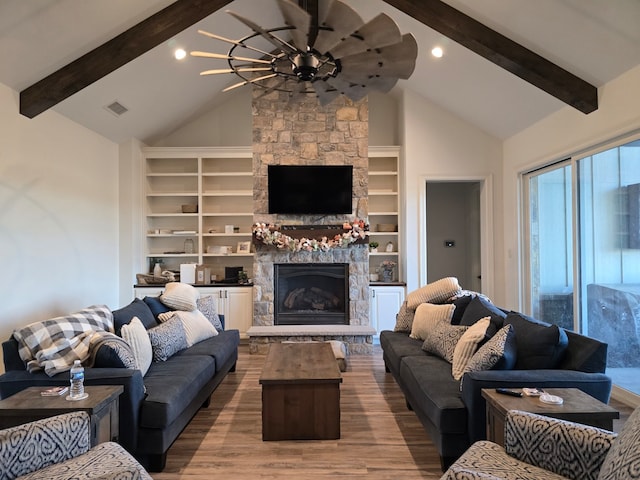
598,385
32,446
569,449
131,398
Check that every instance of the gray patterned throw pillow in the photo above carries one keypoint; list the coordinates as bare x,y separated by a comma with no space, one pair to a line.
167,339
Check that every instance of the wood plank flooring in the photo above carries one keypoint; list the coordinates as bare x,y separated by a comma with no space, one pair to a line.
380,438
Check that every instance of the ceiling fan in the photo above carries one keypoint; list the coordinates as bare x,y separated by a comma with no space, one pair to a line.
340,55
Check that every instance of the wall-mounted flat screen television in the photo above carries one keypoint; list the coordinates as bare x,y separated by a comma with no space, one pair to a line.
310,189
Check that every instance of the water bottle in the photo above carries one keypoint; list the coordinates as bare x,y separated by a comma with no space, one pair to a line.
77,381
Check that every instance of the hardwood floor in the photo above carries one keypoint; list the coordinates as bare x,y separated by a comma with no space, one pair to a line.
380,438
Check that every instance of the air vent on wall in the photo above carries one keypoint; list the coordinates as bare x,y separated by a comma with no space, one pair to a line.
116,108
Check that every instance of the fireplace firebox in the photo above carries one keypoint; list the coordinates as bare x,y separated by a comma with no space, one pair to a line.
311,294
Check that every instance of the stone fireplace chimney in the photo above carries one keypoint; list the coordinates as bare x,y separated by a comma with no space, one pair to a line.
299,131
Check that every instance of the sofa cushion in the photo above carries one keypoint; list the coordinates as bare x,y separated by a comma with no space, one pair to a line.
196,326
442,339
208,305
467,346
114,353
137,308
156,306
171,386
167,339
434,392
136,336
540,345
481,307
584,354
180,296
461,300
499,353
427,316
222,348
396,346
434,292
404,318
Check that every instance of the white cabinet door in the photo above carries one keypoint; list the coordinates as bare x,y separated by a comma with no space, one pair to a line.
384,304
238,308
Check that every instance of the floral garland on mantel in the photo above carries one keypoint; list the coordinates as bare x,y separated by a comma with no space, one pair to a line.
272,236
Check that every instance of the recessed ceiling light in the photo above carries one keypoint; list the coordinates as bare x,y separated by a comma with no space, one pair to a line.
437,52
179,53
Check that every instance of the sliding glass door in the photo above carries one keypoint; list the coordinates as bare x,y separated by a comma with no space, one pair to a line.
582,233
550,246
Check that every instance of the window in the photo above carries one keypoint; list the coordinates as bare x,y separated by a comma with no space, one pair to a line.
596,242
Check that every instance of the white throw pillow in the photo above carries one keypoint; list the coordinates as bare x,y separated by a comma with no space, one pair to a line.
196,326
427,315
434,292
467,346
136,336
180,296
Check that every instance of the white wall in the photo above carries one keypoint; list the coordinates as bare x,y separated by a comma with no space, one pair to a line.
561,135
58,216
441,146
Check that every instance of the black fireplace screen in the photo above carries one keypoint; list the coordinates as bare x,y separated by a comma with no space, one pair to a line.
311,294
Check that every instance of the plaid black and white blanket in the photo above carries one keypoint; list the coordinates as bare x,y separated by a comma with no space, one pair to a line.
53,345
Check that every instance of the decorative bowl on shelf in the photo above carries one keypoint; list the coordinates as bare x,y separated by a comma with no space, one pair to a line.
190,208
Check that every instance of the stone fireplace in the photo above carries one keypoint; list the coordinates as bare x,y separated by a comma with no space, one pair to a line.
299,131
311,294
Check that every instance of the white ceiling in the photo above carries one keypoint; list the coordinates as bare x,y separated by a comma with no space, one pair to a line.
597,40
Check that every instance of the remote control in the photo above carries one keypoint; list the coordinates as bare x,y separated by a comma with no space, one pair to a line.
506,391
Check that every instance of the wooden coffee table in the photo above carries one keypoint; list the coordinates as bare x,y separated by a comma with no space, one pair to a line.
102,405
577,407
300,392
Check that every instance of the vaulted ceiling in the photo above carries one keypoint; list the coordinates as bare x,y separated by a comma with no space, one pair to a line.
507,63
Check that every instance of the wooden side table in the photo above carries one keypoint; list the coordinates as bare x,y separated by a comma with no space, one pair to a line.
300,392
577,407
102,405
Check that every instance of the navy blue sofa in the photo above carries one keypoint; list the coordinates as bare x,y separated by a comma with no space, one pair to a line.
453,412
154,409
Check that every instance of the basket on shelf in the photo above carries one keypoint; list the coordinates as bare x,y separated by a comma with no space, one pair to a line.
386,227
146,279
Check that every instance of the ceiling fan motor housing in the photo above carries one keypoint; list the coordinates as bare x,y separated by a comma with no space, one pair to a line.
305,66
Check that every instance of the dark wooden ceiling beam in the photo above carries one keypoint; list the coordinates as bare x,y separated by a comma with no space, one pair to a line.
115,53
502,51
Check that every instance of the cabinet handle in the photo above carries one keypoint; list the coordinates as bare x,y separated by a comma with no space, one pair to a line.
373,293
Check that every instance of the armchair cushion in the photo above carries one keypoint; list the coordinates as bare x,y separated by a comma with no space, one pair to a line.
488,461
30,447
623,460
106,461
569,449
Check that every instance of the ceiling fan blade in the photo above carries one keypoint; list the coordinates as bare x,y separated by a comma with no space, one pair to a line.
381,84
351,90
278,42
296,17
234,70
234,42
398,60
246,82
379,32
325,92
342,21
222,56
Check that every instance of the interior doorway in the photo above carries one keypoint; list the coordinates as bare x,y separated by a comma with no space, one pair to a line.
453,232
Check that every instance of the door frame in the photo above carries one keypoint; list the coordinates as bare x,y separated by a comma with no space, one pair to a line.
486,226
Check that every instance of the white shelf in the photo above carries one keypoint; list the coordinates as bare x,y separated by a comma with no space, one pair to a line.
220,182
384,204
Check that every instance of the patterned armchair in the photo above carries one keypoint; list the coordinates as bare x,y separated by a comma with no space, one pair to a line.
540,448
57,448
